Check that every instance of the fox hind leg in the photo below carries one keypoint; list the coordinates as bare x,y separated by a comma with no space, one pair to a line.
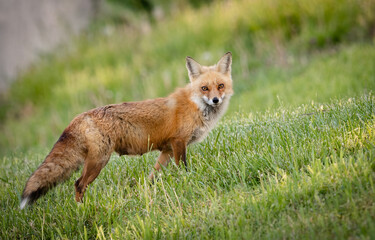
92,167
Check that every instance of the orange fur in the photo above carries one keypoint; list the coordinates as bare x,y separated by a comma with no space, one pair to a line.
133,128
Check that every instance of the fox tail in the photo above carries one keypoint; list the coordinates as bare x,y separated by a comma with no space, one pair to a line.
64,158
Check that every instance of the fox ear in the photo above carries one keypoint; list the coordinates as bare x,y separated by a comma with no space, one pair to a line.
194,68
225,63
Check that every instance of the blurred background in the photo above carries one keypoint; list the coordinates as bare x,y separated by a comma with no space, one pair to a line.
60,58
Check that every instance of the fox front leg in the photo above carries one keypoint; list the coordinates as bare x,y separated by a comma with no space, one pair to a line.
163,160
179,152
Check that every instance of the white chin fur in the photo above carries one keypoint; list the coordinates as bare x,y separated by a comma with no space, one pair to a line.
24,203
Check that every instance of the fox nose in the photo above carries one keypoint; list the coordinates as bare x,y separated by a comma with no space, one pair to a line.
215,100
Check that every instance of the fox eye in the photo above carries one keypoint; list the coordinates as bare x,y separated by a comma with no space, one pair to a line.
221,86
204,88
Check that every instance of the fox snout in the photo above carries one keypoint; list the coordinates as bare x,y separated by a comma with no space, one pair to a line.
215,101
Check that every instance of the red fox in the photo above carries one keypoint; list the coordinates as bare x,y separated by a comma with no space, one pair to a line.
133,128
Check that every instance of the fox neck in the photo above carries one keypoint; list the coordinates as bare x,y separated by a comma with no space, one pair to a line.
211,113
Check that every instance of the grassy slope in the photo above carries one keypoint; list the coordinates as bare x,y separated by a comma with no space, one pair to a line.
283,174
263,173
129,64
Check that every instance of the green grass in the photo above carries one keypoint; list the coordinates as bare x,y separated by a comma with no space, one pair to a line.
348,72
289,173
293,158
273,63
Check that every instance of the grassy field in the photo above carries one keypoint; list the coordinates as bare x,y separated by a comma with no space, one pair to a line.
293,158
290,173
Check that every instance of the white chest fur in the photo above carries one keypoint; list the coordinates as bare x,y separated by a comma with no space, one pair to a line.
210,116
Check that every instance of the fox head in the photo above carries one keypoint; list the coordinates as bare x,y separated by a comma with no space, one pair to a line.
211,85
